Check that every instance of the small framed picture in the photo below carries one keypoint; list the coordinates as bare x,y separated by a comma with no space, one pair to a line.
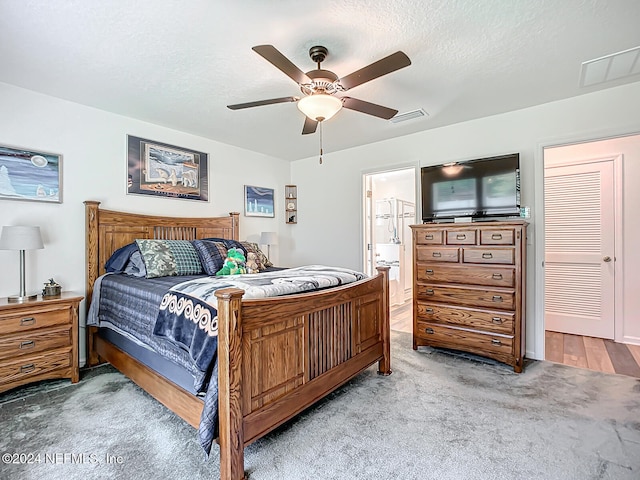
258,201
30,175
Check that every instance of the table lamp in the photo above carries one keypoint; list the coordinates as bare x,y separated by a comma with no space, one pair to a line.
268,239
21,238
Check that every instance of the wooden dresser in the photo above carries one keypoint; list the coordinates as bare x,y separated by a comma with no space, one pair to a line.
39,340
469,288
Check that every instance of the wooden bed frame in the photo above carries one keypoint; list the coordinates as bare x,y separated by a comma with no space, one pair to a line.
276,356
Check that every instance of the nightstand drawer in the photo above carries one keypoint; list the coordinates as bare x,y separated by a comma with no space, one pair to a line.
34,365
498,322
34,319
35,341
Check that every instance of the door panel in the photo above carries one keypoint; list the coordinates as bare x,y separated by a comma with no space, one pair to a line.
579,248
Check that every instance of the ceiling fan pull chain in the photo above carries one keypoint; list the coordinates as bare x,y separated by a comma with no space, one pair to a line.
320,142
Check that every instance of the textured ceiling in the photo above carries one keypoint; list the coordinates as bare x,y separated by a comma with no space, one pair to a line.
179,63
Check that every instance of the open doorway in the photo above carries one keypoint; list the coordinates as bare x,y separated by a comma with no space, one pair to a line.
389,209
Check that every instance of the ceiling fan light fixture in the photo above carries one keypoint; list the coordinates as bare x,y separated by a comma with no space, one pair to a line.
320,106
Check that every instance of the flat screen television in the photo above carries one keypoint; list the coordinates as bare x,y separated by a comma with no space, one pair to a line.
482,188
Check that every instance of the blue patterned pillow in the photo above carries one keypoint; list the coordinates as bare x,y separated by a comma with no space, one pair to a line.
118,260
212,255
164,258
236,244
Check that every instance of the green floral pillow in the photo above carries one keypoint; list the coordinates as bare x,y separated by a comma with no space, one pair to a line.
165,258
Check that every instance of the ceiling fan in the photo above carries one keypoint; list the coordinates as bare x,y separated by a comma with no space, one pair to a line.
319,87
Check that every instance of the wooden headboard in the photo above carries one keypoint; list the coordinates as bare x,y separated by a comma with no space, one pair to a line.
106,231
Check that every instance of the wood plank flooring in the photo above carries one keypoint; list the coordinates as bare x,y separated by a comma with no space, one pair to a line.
593,353
584,352
402,317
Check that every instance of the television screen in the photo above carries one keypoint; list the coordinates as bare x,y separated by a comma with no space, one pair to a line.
480,188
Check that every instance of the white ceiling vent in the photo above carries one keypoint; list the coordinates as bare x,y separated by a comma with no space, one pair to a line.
402,117
610,67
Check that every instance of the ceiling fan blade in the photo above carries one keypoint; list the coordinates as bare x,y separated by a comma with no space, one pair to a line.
368,108
272,55
259,103
310,126
389,64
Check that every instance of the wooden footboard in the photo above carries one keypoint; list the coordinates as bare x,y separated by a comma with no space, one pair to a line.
276,356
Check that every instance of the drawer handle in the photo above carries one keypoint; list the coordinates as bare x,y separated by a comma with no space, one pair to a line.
461,236
487,255
497,298
27,344
429,271
497,320
496,342
27,368
429,291
436,254
428,237
27,321
429,310
429,331
497,276
496,236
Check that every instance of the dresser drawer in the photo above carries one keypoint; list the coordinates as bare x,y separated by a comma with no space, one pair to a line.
33,365
504,256
461,237
442,273
437,254
34,341
34,319
473,297
498,322
452,337
429,237
497,237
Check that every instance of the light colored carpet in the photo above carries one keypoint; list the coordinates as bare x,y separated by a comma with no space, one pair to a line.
439,416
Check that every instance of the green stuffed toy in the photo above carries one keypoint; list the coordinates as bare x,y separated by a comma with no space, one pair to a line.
234,264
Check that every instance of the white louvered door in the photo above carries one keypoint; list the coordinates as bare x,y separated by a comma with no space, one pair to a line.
579,248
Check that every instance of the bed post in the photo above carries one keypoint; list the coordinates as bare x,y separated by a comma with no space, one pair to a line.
92,256
231,427
235,225
384,365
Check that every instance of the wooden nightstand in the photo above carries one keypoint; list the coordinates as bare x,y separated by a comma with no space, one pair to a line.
39,340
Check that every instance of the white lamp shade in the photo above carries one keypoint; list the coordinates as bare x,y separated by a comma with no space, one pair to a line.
320,106
20,237
268,238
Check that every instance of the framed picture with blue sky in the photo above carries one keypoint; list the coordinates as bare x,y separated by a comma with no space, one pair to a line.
258,201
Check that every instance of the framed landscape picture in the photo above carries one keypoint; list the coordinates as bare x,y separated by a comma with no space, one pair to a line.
164,170
30,175
258,201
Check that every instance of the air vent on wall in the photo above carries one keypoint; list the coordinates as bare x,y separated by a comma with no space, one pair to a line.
402,117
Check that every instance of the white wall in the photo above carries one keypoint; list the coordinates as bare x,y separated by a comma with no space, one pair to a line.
330,196
93,147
